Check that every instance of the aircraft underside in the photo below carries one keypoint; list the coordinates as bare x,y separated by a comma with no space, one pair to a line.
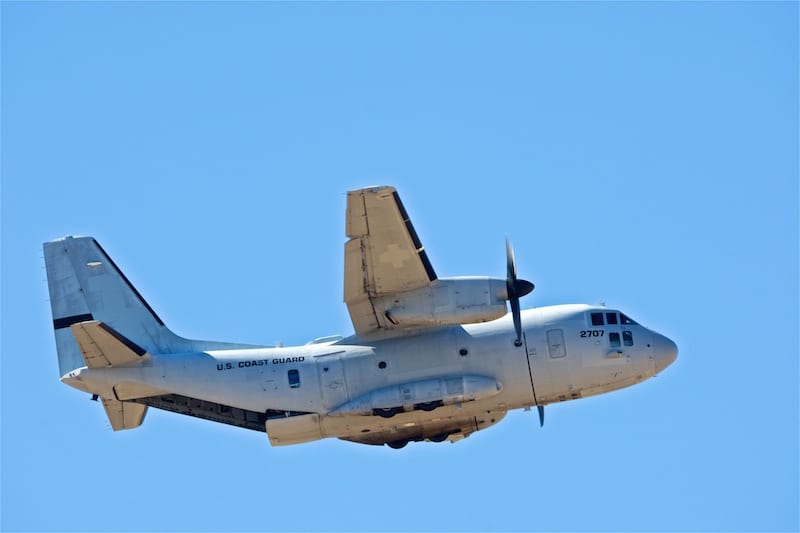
444,423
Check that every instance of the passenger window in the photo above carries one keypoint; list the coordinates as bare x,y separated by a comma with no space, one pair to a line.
627,338
555,343
611,319
627,321
614,338
597,319
294,379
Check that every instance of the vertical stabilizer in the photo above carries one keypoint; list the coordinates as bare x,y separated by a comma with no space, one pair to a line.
86,285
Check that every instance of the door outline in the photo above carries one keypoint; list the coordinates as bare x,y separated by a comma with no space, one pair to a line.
332,380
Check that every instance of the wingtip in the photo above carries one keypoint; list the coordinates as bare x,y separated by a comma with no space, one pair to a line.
374,189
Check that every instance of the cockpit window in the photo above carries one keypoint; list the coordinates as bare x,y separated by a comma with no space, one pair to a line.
627,338
614,338
610,318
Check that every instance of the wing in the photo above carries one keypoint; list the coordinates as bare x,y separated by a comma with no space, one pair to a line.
383,257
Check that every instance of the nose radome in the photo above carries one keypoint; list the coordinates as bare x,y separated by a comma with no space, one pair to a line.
665,352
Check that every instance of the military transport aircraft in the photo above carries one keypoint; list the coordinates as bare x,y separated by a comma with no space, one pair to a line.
432,358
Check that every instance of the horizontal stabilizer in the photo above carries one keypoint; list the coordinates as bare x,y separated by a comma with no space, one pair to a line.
102,347
124,415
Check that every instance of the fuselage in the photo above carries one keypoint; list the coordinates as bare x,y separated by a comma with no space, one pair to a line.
433,383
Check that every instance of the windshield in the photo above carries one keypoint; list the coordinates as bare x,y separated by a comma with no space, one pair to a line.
610,318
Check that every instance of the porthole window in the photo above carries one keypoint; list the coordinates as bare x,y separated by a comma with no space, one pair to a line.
294,379
463,351
382,365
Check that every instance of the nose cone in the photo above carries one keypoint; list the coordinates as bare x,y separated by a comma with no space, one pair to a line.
665,352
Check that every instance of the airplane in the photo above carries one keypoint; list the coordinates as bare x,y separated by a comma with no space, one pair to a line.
432,359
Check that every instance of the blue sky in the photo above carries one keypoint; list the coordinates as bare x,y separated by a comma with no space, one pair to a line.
642,155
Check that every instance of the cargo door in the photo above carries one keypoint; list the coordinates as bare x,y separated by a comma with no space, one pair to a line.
332,382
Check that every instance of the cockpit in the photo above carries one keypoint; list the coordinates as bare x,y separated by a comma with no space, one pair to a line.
613,318
623,332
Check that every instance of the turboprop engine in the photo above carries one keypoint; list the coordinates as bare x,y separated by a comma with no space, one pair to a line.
448,301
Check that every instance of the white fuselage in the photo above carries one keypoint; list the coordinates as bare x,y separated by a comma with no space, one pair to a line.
442,383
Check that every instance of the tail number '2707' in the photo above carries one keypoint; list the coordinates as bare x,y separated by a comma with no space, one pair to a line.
592,333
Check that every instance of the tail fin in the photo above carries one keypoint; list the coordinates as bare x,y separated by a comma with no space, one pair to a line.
86,285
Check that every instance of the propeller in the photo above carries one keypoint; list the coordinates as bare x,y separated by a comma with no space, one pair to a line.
516,289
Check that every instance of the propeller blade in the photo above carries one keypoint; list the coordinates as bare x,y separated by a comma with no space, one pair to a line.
540,408
517,321
516,288
511,267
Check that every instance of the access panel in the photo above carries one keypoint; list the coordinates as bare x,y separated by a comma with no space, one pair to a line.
332,381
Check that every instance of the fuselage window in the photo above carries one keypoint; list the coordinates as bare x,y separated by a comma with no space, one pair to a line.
294,379
611,319
627,321
614,338
597,319
627,338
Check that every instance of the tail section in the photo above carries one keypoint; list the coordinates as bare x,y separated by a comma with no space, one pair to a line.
102,347
87,286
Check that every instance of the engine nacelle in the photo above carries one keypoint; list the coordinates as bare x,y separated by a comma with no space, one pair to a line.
448,301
